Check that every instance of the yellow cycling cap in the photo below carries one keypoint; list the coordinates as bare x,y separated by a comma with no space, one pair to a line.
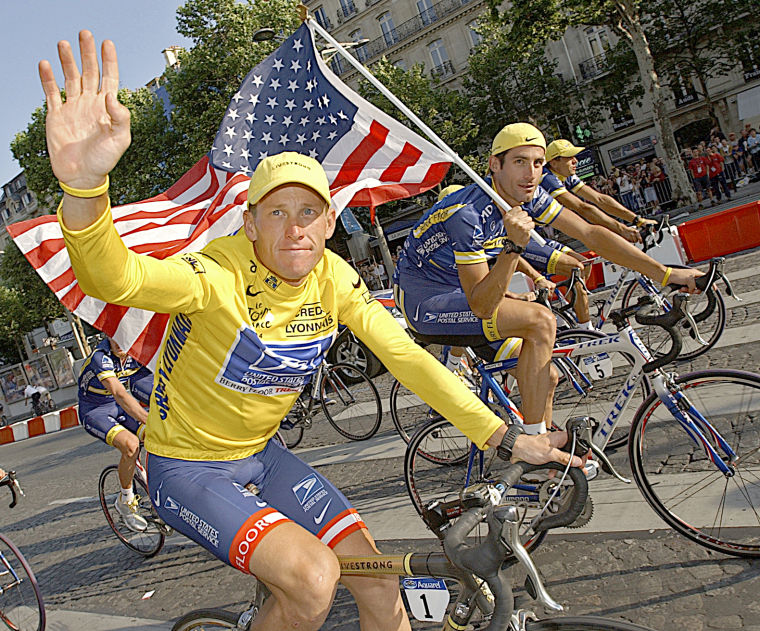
288,167
517,135
563,148
449,190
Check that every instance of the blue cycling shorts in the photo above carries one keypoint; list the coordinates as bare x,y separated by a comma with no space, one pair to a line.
230,506
106,420
544,257
433,309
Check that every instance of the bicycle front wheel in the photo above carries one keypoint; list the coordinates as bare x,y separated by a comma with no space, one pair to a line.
582,623
678,478
352,408
147,542
202,619
436,466
21,606
709,311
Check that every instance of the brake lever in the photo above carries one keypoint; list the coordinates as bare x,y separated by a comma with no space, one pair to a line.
690,319
729,289
582,429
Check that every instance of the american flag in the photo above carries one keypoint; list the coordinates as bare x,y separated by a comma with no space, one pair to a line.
291,101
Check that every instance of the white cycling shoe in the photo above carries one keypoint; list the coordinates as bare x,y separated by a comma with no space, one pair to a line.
128,512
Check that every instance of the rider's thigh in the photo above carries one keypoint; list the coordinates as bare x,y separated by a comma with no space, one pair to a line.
528,320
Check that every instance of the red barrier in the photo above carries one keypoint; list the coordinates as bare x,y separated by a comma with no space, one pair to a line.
69,418
36,426
6,435
726,232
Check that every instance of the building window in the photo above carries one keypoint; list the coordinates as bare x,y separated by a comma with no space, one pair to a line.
348,8
27,198
475,37
749,55
683,89
360,49
336,63
321,16
427,12
441,64
598,40
388,28
401,63
622,116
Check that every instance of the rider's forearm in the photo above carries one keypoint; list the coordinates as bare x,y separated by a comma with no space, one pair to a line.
485,297
613,207
595,216
527,269
616,249
131,406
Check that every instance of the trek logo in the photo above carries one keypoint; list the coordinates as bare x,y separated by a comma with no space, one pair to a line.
308,492
171,505
252,294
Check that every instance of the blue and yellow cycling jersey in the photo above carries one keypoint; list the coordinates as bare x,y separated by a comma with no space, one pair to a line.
241,343
102,364
555,184
465,227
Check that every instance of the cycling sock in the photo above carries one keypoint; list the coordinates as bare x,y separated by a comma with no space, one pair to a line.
126,495
586,325
453,362
533,429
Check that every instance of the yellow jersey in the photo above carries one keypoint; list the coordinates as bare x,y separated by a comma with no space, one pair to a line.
241,344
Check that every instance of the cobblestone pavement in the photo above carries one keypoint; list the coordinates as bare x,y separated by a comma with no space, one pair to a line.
654,578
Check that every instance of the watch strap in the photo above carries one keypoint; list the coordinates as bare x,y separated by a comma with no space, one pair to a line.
504,450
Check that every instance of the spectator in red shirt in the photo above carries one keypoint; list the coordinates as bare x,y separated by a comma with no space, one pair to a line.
717,177
700,172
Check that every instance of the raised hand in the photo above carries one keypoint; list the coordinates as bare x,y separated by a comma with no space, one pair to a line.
89,131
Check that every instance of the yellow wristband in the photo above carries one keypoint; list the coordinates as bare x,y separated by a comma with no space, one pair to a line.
85,193
667,276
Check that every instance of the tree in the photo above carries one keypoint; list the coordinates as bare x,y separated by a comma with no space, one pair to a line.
531,20
698,38
15,322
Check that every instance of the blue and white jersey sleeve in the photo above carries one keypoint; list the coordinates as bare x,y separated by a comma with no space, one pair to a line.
551,183
574,183
543,207
466,236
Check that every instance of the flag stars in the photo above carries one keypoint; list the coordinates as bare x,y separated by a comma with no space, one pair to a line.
310,85
277,65
315,136
262,155
227,165
272,102
313,153
341,115
308,104
292,86
304,121
230,132
287,121
228,150
238,97
269,120
290,105
253,99
333,120
295,65
245,169
250,117
266,138
245,154
275,84
325,100
284,140
247,135
257,81
301,139
331,135
321,120
297,45
233,114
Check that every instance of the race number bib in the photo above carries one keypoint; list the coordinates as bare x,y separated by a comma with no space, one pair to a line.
428,598
597,366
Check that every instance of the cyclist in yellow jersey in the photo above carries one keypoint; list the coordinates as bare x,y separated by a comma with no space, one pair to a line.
252,315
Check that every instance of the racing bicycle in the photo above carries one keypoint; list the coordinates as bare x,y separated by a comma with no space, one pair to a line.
481,570
21,605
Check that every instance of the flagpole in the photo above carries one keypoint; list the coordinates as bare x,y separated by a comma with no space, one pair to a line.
414,118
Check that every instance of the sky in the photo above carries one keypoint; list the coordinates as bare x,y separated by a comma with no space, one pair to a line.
31,29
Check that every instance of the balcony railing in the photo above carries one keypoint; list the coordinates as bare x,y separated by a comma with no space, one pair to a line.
593,67
443,70
409,28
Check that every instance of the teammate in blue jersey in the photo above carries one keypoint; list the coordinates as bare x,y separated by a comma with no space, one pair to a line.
444,283
109,382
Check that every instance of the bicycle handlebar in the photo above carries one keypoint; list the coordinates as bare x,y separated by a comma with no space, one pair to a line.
10,481
486,560
652,236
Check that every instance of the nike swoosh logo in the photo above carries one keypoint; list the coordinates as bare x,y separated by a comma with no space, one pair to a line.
357,284
318,520
252,294
529,139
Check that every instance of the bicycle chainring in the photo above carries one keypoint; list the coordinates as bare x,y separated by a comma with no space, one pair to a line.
559,503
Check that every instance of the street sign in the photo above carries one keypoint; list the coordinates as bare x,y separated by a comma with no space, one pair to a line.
350,223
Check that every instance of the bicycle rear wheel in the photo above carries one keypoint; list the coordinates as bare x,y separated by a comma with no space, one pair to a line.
148,542
435,468
202,619
21,606
582,623
352,408
709,312
677,477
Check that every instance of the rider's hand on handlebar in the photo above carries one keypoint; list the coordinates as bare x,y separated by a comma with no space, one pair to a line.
544,448
543,282
629,233
684,278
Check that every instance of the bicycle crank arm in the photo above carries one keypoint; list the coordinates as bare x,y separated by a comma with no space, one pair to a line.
511,526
